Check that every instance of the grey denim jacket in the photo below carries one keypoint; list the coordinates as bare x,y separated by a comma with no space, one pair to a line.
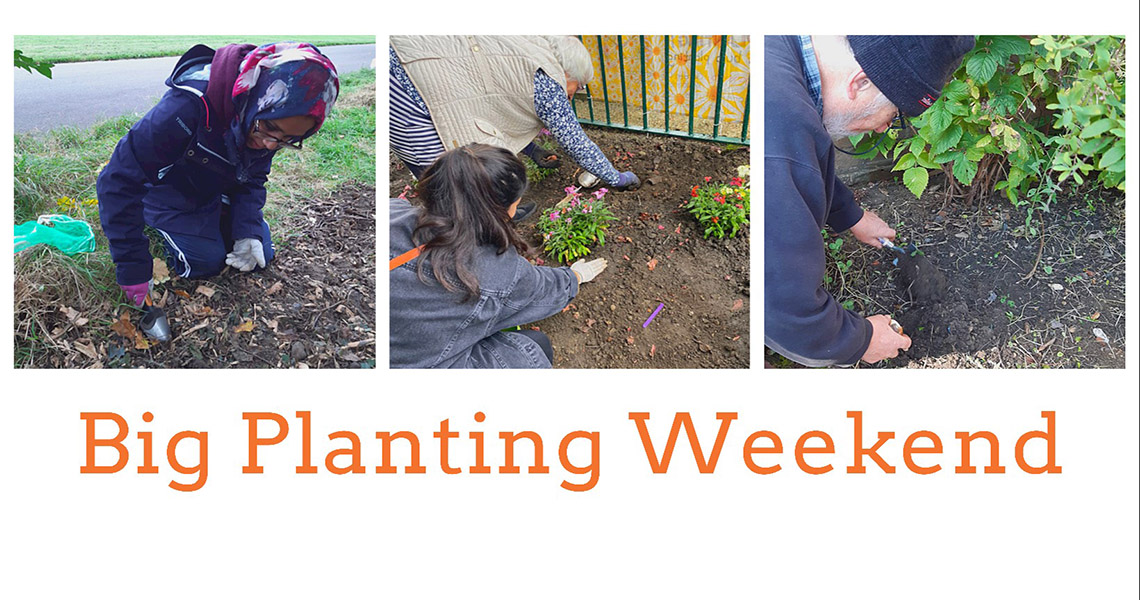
431,328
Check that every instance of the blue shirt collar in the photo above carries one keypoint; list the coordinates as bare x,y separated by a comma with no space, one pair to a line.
811,72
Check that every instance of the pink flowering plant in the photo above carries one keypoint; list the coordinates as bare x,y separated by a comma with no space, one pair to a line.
721,208
575,224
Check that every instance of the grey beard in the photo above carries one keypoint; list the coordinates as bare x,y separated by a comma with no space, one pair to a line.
838,126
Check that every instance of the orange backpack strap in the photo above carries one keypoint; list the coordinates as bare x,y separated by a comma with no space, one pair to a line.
405,257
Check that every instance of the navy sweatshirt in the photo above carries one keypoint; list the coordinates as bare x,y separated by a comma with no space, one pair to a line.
802,321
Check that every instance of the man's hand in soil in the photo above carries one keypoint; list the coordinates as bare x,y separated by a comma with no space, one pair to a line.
885,343
870,228
248,253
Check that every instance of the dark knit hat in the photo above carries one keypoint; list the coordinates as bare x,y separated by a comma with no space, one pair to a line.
910,69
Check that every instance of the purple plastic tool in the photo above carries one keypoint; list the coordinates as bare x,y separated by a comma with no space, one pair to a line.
652,316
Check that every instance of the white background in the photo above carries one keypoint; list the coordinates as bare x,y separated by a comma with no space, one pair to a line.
683,534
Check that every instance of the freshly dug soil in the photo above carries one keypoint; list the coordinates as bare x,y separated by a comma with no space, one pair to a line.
705,285
1006,298
920,280
314,306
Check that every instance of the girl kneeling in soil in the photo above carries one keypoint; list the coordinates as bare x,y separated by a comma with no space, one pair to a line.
457,272
194,168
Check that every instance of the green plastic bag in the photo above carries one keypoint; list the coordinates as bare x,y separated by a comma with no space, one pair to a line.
71,236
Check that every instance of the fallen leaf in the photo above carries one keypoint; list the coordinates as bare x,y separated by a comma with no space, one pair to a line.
141,343
652,264
273,289
160,274
677,230
629,340
74,316
206,291
245,326
1095,316
124,327
198,310
87,349
183,293
738,304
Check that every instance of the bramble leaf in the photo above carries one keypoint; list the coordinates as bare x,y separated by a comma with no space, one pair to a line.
916,180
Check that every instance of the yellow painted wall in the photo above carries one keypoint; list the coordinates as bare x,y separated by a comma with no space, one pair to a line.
736,73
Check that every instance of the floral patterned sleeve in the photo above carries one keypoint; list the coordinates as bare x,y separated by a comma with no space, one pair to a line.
554,110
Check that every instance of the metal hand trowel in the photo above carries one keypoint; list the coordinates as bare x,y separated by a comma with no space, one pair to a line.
154,323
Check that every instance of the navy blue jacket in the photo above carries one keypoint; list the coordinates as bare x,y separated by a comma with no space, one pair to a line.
802,321
171,170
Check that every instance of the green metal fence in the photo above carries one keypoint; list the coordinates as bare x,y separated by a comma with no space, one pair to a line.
688,86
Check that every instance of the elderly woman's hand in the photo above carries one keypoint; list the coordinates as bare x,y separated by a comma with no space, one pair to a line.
627,181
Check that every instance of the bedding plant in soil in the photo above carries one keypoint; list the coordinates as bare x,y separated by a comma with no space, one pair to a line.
657,255
1009,299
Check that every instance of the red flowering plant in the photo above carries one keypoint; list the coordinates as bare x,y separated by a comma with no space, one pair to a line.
575,224
721,208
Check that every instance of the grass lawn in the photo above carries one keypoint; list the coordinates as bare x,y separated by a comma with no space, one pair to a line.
56,173
76,48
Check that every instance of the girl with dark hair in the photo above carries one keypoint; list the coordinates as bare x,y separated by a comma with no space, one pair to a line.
458,273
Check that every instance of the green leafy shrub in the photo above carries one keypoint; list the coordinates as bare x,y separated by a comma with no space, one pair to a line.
575,224
1021,116
722,209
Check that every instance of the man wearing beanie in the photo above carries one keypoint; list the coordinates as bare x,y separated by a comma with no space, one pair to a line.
817,88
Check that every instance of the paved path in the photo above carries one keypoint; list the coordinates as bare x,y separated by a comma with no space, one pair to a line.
80,94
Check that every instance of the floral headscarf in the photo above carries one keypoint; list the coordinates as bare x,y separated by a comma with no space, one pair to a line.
285,79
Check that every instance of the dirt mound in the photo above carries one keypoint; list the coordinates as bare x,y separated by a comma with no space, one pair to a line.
1009,299
920,280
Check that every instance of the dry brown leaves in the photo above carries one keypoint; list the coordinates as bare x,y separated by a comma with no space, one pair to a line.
125,328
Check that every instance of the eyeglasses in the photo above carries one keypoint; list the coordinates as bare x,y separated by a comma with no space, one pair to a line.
291,142
899,122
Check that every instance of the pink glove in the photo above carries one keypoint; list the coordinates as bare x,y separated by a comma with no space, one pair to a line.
137,292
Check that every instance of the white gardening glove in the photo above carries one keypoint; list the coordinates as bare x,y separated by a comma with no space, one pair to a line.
247,254
587,271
